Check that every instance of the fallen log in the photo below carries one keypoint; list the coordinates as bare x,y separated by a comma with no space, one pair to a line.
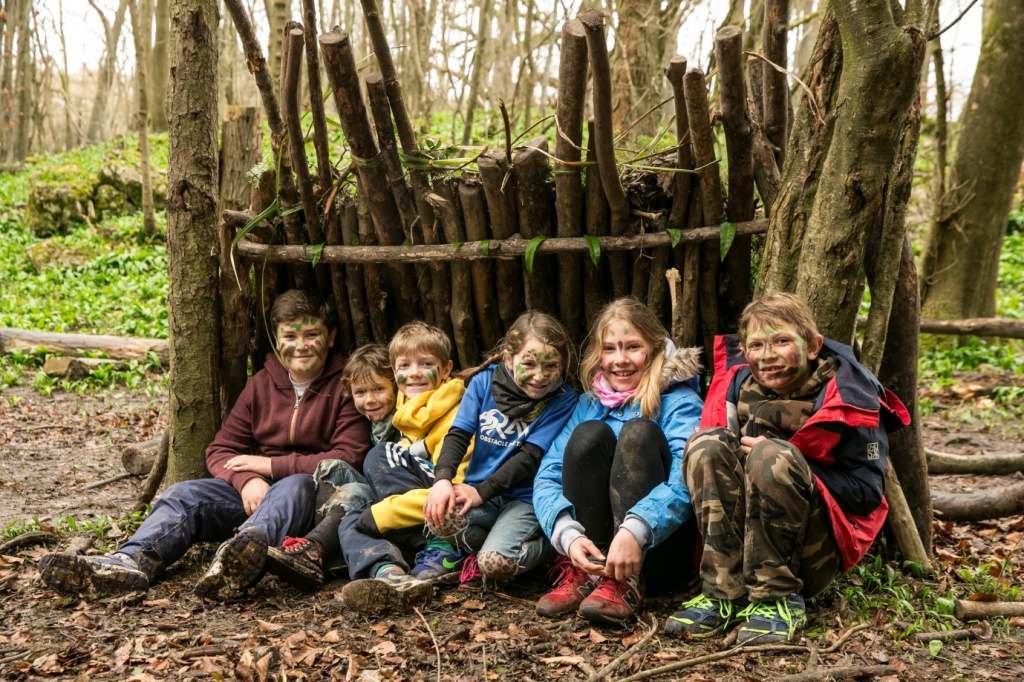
996,503
977,610
984,632
156,475
996,464
138,459
975,326
116,347
76,368
504,248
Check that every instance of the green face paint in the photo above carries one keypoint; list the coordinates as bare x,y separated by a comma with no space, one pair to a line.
432,376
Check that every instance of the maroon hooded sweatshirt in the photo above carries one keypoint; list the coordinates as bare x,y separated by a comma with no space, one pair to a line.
267,420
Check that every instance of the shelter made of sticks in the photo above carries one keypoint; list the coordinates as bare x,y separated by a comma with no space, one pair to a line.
396,235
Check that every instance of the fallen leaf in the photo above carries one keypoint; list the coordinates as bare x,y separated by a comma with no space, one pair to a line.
596,637
562,660
384,648
473,605
267,626
449,599
381,630
332,637
157,602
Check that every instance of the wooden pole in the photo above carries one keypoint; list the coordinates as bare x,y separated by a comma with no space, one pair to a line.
499,249
535,205
702,141
355,279
462,303
596,277
593,22
339,285
766,170
776,89
485,297
373,276
572,89
732,95
344,79
500,191
316,100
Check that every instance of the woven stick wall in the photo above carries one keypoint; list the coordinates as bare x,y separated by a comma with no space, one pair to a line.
393,235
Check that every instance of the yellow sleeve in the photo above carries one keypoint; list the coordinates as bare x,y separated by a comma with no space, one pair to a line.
400,511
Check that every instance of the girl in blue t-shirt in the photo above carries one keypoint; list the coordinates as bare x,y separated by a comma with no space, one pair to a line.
515,404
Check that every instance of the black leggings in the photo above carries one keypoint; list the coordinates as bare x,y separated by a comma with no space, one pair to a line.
604,478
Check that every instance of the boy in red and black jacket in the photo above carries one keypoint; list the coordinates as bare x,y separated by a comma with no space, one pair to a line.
787,472
292,415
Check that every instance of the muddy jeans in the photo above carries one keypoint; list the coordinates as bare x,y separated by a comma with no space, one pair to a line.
389,470
507,527
766,529
211,510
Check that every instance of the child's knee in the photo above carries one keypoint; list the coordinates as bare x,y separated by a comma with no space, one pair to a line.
772,464
714,447
497,567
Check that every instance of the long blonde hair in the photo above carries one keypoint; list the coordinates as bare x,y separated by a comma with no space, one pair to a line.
646,323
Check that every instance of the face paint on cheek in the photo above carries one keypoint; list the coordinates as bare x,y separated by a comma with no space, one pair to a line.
401,379
432,376
520,374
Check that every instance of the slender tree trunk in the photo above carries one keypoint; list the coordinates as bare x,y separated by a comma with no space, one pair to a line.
142,118
107,70
192,237
13,10
636,63
159,68
476,78
26,66
961,258
277,15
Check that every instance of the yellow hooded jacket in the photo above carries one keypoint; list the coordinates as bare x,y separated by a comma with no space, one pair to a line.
427,417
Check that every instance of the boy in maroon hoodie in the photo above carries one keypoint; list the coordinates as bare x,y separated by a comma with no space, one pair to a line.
292,415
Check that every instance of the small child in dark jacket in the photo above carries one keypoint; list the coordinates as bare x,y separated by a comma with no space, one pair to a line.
787,472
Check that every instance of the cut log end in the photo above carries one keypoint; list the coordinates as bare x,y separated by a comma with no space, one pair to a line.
592,19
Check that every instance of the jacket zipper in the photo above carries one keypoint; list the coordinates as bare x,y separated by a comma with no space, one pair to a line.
295,414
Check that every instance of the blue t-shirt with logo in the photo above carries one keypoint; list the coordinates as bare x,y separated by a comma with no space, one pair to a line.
498,436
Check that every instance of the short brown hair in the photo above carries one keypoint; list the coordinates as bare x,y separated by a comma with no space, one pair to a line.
296,303
532,324
366,360
777,309
419,337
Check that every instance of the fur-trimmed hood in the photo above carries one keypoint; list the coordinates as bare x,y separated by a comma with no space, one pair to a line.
681,365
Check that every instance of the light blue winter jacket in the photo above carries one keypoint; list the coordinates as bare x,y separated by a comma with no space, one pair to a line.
668,506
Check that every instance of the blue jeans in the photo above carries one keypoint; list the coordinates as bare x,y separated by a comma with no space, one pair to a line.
211,510
507,527
339,484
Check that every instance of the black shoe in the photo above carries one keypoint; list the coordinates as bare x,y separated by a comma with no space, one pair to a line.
296,562
237,564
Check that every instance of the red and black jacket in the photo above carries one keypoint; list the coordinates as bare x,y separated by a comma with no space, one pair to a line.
844,440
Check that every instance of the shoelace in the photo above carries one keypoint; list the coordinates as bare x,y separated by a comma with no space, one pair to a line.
769,610
705,603
562,572
470,571
294,545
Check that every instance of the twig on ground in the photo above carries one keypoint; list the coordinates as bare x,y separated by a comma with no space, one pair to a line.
202,651
432,639
841,673
107,481
15,657
517,600
604,672
842,640
956,635
710,658
34,538
585,668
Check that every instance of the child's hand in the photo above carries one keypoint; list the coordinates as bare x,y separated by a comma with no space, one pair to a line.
254,463
468,497
624,556
440,501
747,443
252,494
581,551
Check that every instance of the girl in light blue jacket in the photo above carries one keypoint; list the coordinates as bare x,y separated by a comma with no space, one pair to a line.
611,486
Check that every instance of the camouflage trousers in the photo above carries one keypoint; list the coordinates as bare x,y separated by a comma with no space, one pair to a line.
765,526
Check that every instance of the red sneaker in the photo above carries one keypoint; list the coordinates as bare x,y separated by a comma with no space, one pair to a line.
614,601
572,586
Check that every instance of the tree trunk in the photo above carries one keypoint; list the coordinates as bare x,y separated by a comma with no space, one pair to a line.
26,66
159,68
107,70
483,33
636,65
192,237
138,20
277,15
961,258
846,173
13,9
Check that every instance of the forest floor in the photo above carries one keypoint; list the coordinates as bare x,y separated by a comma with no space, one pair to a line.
51,447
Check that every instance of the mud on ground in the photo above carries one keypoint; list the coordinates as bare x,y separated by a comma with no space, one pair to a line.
50,448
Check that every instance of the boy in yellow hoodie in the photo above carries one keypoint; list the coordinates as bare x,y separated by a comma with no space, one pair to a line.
378,541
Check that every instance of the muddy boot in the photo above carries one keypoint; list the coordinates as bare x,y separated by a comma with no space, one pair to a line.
237,564
108,575
392,590
297,561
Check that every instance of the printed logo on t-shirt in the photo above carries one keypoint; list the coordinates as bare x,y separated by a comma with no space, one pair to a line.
498,429
873,451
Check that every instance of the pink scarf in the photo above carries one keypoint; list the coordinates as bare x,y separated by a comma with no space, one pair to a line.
608,396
